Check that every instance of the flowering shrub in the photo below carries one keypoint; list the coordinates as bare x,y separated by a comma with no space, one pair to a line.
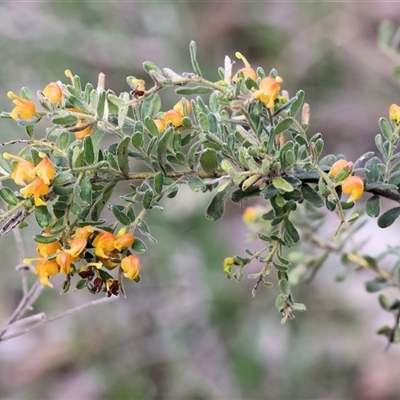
241,137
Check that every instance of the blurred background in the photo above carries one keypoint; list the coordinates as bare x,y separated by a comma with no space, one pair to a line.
186,332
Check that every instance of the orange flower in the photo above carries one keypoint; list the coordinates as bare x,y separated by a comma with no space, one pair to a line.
354,186
46,268
268,90
64,260
84,232
76,246
180,108
160,124
24,109
36,189
248,72
174,117
339,165
53,92
23,170
131,266
104,244
47,249
125,240
45,170
80,135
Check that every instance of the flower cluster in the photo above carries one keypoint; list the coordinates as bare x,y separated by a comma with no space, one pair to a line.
351,184
269,87
61,256
39,176
175,116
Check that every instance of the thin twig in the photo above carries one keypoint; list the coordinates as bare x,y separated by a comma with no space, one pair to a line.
23,306
57,316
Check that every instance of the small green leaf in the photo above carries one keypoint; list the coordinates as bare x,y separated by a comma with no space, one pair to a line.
193,59
138,246
120,214
162,147
283,126
280,303
63,140
144,230
88,149
311,196
295,107
375,285
385,128
151,126
43,217
195,183
85,189
387,218
101,104
193,90
209,161
8,196
281,184
148,198
158,182
216,208
67,119
292,231
45,239
122,155
373,207
149,66
62,178
102,201
137,140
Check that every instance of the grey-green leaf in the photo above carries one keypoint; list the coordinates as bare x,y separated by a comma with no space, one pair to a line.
216,208
387,218
372,206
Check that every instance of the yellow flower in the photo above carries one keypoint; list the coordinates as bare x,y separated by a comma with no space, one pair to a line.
131,266
249,215
36,189
104,244
174,117
228,262
23,171
24,109
81,134
394,112
268,90
46,268
354,186
53,92
45,170
339,165
64,260
247,71
180,108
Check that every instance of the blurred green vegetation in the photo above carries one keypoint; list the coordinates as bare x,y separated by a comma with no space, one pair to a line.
186,332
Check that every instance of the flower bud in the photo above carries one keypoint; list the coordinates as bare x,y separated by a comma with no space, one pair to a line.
53,92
